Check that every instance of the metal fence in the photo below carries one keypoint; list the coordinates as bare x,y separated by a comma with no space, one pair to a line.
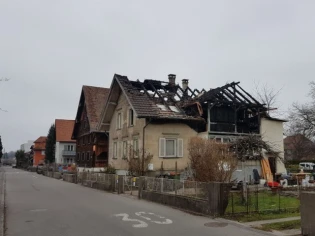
258,200
131,185
177,187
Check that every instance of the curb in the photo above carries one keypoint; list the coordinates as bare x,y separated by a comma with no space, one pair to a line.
2,207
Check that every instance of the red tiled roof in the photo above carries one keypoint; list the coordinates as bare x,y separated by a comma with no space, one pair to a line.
40,143
64,130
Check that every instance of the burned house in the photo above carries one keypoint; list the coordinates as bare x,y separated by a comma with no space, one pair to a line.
159,117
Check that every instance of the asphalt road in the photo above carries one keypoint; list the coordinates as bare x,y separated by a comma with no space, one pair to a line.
38,206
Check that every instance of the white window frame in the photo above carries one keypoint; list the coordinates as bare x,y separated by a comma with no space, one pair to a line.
118,121
115,150
178,147
82,156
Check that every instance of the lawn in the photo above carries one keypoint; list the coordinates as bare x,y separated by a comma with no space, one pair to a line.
294,224
261,201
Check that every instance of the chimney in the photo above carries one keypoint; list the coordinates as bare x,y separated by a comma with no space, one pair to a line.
184,84
171,79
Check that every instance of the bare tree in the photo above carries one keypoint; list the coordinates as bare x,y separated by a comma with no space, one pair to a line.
302,117
211,161
299,147
138,161
268,96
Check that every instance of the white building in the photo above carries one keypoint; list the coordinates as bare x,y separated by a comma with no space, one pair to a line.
27,146
65,147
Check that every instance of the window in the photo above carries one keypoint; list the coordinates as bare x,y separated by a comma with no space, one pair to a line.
115,150
78,156
118,121
82,157
124,149
131,121
90,138
87,156
171,147
119,149
69,147
136,147
43,152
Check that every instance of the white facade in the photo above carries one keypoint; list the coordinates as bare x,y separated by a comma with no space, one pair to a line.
65,152
27,146
272,132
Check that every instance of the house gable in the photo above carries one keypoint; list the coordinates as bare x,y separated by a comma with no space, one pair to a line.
91,103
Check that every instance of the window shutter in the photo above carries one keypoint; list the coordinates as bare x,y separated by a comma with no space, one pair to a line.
162,147
180,145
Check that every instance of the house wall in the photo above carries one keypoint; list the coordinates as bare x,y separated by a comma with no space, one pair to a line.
153,132
38,157
272,132
178,131
126,133
60,159
27,146
244,170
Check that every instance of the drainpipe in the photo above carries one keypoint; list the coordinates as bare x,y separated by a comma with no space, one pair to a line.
143,151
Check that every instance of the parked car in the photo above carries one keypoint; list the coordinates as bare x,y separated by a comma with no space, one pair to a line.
13,165
306,165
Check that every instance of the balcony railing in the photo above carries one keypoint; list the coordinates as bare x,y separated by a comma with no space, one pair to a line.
68,153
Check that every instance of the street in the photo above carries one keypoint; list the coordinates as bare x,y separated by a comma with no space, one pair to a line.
38,206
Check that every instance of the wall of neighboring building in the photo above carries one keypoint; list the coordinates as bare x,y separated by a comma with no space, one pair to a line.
39,157
272,132
60,147
27,146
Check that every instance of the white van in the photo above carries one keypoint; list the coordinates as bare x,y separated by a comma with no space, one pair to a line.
306,165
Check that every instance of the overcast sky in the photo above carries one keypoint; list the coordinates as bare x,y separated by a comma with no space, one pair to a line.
49,49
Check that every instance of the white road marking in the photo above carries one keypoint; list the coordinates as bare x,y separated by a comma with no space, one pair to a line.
164,222
38,210
35,176
125,217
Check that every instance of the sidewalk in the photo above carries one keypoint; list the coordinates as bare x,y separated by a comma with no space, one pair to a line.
2,203
262,222
290,232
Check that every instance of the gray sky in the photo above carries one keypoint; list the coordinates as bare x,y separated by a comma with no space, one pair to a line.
50,49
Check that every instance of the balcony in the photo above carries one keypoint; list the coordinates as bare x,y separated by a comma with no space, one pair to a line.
68,153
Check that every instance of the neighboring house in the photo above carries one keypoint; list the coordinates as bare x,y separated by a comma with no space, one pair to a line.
27,146
65,146
160,117
39,150
298,147
91,145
